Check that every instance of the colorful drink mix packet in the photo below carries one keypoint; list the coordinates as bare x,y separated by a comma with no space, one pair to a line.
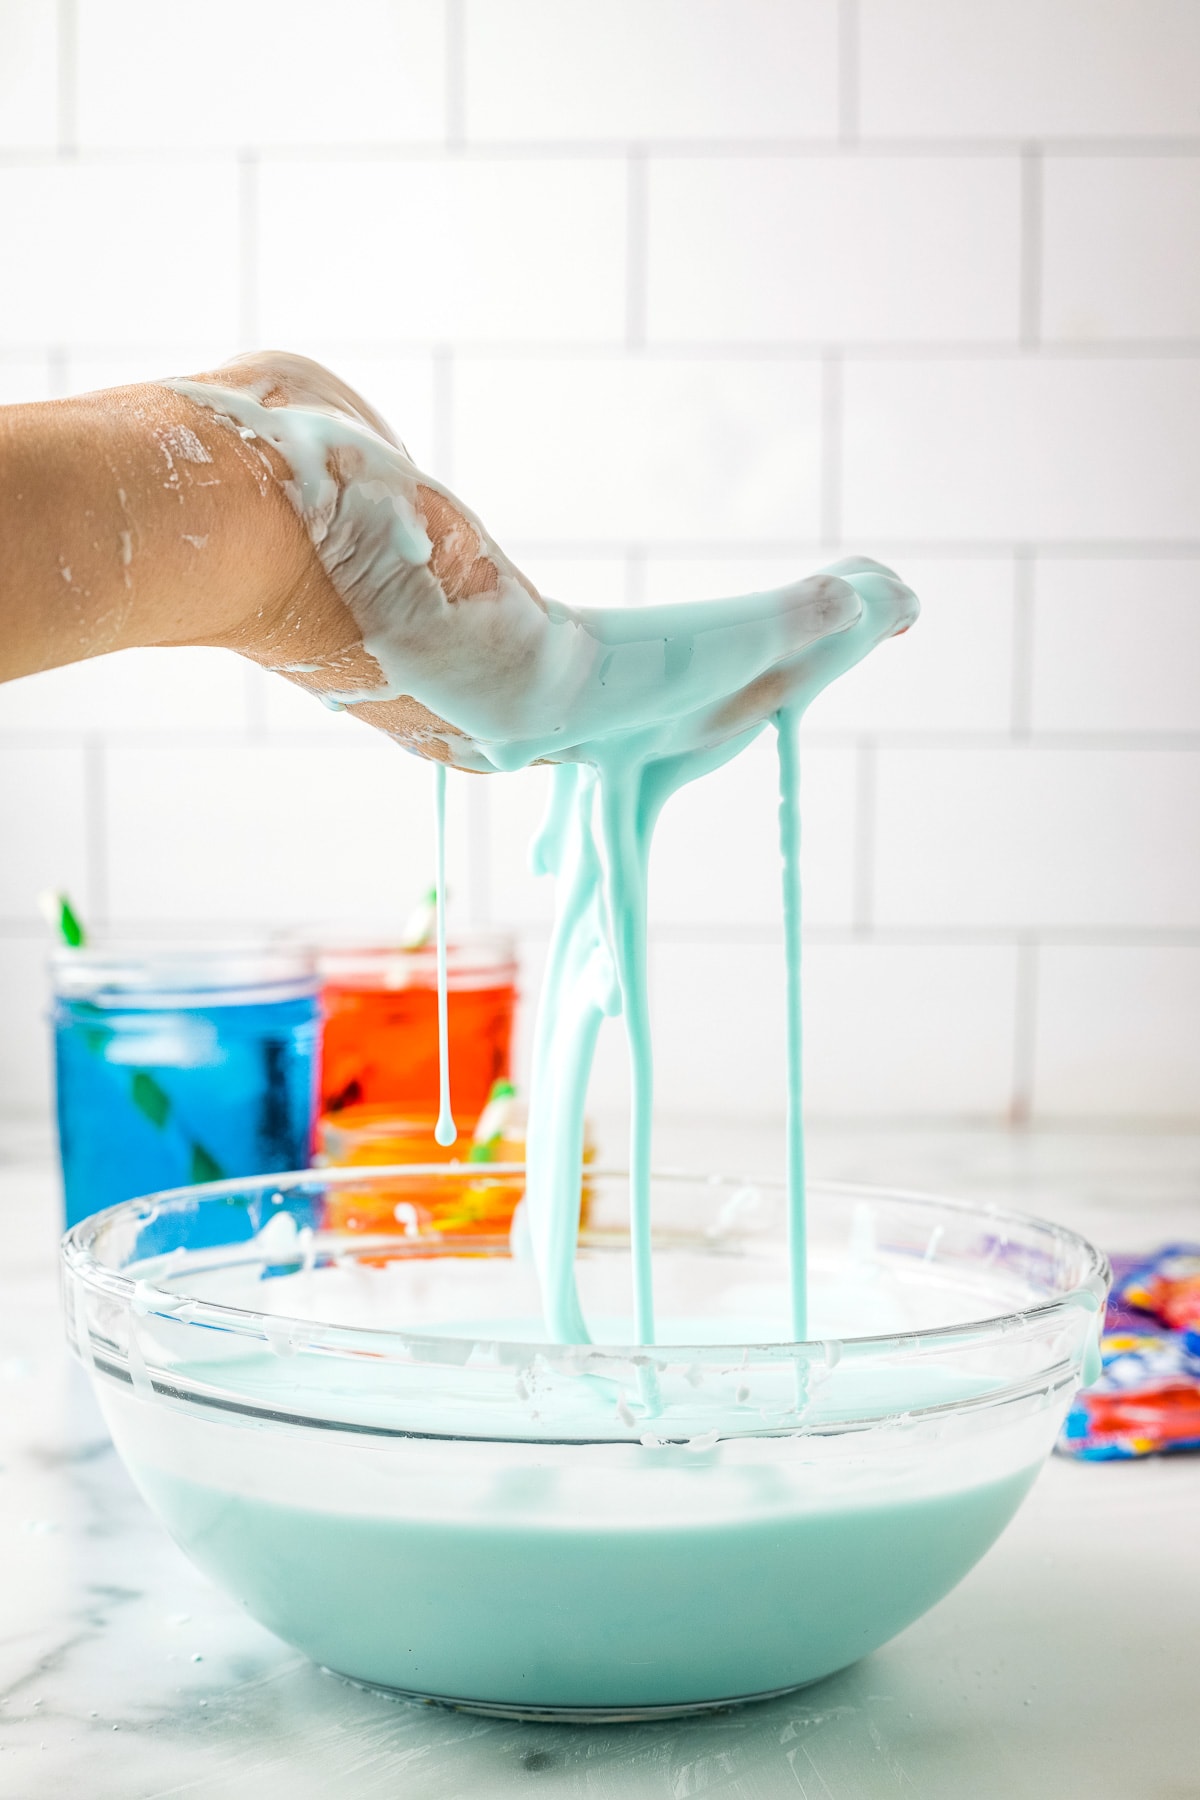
1148,1398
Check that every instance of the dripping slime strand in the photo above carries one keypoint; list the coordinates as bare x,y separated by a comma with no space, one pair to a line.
445,1131
787,725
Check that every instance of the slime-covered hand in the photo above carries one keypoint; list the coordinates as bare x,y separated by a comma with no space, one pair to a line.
430,632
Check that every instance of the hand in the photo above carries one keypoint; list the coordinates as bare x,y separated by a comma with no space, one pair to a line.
427,630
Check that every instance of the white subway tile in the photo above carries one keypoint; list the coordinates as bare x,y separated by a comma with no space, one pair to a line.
1116,645
25,1054
867,248
718,1023
889,1030
1121,247
274,834
716,858
1027,837
133,690
951,672
651,69
87,371
24,378
1117,1033
42,826
1026,448
276,72
909,1029
1029,69
445,251
515,805
28,75
108,252
607,450
579,580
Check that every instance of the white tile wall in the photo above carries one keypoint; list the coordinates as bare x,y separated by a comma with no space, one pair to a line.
24,378
43,803
686,296
1117,1032
105,252
716,859
274,72
28,75
1046,448
175,854
1029,68
24,1040
467,250
775,249
670,448
205,691
1035,837
1122,247
1116,645
910,1029
649,70
954,673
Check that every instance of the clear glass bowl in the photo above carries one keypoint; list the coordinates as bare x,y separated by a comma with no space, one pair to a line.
365,1437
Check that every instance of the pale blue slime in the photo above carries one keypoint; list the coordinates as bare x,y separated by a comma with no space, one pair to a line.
536,1606
629,705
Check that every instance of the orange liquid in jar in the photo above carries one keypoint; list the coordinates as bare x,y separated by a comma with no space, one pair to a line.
380,1044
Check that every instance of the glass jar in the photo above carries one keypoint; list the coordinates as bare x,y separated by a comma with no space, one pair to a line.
380,1045
180,1064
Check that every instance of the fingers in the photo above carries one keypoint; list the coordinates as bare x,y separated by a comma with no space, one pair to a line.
445,645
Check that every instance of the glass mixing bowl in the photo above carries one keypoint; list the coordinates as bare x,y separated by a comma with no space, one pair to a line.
364,1436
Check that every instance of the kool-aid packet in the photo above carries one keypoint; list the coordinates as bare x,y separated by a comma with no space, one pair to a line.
1147,1399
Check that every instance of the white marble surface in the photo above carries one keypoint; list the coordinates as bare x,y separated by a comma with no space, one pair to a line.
1065,1665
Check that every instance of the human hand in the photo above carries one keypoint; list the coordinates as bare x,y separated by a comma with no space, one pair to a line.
426,629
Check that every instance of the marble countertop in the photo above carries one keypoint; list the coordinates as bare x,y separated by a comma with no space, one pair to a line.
1065,1665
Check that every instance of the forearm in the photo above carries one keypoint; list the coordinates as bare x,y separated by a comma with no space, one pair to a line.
132,517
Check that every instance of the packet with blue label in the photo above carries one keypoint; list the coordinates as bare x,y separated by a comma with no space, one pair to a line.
1147,1399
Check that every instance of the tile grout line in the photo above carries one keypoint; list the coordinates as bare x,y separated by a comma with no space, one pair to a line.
67,85
456,75
710,149
1024,585
848,72
635,575
1030,296
442,358
58,370
478,813
95,786
248,210
637,257
830,504
1025,1031
976,352
255,698
866,773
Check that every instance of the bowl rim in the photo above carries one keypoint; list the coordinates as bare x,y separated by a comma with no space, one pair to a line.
80,1263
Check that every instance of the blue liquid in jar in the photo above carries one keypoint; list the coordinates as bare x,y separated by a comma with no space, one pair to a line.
160,1096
